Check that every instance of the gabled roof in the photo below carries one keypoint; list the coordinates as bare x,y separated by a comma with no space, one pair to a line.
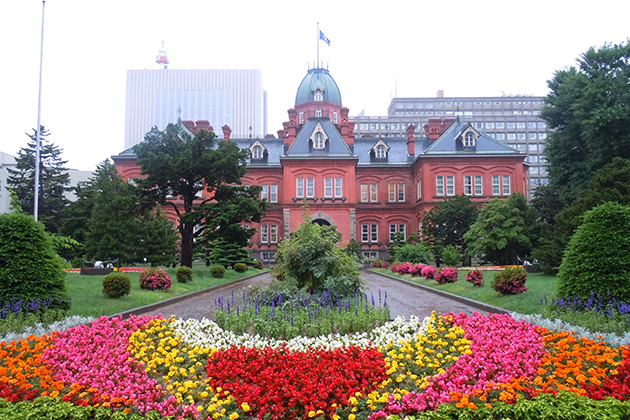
450,143
336,146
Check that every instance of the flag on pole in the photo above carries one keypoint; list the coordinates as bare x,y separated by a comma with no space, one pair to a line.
324,38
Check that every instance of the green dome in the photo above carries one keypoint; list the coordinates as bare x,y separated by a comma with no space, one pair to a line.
318,78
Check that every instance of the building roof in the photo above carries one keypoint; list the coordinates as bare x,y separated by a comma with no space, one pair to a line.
303,144
314,79
450,143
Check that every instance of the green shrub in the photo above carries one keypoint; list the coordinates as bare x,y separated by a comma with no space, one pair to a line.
154,278
450,255
184,274
217,271
414,253
597,259
116,285
240,267
258,264
77,262
510,281
29,266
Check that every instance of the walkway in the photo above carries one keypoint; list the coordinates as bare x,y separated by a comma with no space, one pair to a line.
403,298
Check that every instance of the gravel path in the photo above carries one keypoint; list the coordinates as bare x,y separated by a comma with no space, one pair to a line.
403,298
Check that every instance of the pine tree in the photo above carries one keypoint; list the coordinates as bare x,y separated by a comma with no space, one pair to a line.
53,180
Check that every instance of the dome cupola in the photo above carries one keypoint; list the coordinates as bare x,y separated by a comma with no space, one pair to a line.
318,86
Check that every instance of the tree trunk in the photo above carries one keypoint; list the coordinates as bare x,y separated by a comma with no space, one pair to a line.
186,258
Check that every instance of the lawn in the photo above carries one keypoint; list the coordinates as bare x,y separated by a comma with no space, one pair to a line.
88,299
539,286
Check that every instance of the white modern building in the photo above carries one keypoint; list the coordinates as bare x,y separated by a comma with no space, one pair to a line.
223,97
6,162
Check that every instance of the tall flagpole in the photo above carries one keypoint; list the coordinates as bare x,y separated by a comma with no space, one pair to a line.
317,64
39,113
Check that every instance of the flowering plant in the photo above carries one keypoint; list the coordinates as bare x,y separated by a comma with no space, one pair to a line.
154,278
475,277
510,281
429,271
447,275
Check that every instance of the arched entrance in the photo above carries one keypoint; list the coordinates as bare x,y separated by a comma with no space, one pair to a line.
322,219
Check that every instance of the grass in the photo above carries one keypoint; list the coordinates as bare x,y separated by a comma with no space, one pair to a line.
88,299
538,285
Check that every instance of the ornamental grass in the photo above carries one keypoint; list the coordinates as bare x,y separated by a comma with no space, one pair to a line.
456,363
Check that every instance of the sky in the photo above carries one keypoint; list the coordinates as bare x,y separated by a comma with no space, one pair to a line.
378,50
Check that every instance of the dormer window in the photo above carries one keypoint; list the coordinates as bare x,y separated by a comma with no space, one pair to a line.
380,152
318,112
319,95
469,139
319,142
257,152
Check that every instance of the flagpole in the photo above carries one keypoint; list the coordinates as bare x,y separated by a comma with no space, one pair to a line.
317,64
39,129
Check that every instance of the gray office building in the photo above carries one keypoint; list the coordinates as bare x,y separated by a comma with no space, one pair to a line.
511,119
223,97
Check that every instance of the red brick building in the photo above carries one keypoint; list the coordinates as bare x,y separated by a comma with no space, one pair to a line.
370,188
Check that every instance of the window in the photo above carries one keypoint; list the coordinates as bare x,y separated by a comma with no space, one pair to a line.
468,187
521,136
264,233
473,185
501,185
520,124
269,234
500,136
369,233
396,192
380,152
439,185
373,192
469,139
338,187
273,234
335,117
419,189
319,96
365,193
328,185
478,185
489,125
273,193
500,125
301,117
531,124
318,142
394,228
257,152
450,185
318,112
264,195
268,257
511,136
310,187
511,125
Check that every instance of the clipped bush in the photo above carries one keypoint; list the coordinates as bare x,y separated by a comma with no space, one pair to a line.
414,253
475,277
384,265
184,274
377,263
447,275
116,285
450,256
429,271
510,281
258,264
217,271
597,258
154,278
240,267
29,266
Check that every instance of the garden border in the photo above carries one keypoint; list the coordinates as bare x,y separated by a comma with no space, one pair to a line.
482,306
153,306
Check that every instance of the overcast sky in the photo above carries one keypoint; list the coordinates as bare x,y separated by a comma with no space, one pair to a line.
378,50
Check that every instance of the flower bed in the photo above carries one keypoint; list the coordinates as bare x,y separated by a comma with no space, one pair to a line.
194,369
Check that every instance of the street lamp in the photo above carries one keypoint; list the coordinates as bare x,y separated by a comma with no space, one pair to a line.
39,113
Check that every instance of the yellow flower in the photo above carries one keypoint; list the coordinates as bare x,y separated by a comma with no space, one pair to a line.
351,417
311,414
234,416
245,407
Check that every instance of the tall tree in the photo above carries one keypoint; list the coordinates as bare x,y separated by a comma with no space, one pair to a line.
159,238
53,180
589,117
178,165
498,234
114,229
447,222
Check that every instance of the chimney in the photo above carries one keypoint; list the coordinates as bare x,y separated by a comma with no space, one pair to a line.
226,132
438,126
411,141
440,93
203,125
